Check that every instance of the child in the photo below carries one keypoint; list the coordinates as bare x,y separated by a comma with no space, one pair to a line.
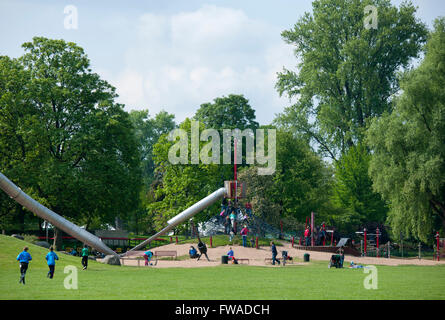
51,258
147,256
193,253
230,254
24,257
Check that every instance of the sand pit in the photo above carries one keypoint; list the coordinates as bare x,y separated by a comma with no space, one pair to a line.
257,257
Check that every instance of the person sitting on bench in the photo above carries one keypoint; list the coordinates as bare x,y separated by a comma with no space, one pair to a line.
231,256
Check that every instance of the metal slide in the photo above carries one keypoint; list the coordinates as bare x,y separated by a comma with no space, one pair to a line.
43,212
184,215
70,228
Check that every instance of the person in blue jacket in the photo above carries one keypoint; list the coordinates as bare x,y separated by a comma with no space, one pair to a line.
23,258
147,256
51,258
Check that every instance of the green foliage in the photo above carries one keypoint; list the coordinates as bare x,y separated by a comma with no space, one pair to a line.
301,183
147,131
408,163
353,193
64,139
347,73
181,185
229,112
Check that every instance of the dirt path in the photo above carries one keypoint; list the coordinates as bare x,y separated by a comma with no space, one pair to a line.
257,257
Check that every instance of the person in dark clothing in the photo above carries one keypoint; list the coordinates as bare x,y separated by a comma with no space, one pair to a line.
202,249
85,254
274,253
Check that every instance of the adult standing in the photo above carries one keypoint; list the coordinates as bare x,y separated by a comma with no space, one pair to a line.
23,258
51,258
244,232
307,234
84,255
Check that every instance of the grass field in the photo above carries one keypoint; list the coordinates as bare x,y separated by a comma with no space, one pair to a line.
234,282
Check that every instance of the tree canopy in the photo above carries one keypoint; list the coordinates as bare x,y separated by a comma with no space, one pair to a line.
63,137
346,73
408,163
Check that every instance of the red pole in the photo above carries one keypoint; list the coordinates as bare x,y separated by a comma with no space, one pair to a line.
332,237
256,242
438,246
176,239
211,242
171,240
293,242
312,229
324,238
377,238
365,241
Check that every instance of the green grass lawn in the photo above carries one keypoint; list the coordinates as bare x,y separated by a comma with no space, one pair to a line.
238,282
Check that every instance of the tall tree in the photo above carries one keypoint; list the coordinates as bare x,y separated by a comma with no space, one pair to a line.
75,147
346,72
229,112
408,163
148,130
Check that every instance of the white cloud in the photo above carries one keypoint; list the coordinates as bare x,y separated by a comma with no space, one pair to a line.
183,60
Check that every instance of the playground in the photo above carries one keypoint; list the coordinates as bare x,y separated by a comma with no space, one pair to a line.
309,165
201,280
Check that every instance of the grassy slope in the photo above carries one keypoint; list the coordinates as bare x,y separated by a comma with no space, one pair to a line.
314,281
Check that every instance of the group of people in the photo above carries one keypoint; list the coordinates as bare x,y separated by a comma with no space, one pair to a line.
193,253
229,213
25,257
320,235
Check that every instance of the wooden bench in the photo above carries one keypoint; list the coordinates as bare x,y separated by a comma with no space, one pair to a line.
138,259
243,260
166,253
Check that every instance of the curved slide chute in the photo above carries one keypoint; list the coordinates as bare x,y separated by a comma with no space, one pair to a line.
184,215
75,231
43,212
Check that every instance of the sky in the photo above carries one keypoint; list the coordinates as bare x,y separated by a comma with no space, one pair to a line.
175,55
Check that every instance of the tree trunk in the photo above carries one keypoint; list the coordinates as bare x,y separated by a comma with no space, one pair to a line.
58,241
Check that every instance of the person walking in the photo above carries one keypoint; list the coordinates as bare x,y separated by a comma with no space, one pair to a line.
274,253
84,255
51,258
23,258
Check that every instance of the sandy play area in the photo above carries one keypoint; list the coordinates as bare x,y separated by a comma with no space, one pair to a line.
257,257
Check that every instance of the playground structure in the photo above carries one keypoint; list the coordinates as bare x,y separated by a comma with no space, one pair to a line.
91,240
232,190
